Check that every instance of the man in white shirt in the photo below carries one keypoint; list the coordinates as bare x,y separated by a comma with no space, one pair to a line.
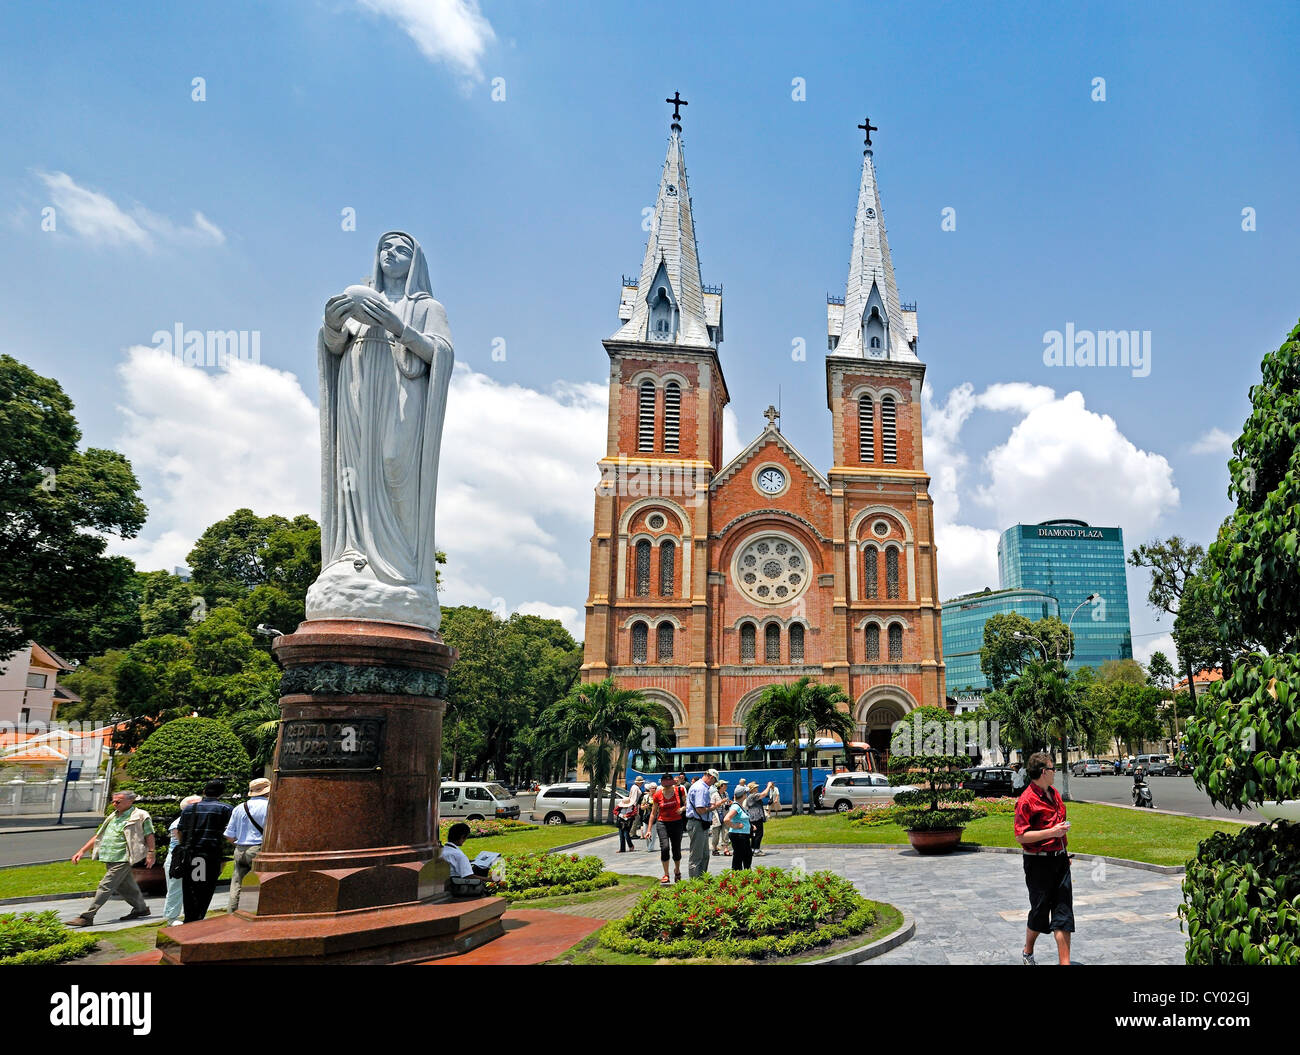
454,855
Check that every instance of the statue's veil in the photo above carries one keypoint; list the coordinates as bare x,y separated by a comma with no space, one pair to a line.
417,278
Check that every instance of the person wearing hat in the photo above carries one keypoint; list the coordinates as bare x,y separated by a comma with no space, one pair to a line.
246,828
699,818
717,837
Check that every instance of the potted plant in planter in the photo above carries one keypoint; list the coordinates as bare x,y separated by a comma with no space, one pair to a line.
177,759
930,793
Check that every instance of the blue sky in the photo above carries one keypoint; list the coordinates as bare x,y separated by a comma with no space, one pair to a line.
1117,214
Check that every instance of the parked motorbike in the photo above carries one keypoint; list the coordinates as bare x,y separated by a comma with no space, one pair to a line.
1142,795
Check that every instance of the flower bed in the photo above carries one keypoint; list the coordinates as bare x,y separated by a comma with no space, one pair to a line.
749,914
35,938
887,813
486,829
522,877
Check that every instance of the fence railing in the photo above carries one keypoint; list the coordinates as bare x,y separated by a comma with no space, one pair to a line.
32,797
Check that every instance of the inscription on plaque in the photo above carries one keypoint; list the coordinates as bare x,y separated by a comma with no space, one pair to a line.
310,745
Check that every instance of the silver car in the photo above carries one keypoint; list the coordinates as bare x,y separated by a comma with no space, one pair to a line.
844,791
565,803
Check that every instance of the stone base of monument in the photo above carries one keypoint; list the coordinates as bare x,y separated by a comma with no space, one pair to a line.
350,870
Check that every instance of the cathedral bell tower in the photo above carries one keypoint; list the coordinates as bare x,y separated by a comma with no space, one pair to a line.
649,552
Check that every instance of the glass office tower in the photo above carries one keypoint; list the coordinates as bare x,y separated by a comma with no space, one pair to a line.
1070,559
963,631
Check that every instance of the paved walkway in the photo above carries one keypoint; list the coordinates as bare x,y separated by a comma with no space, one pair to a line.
970,907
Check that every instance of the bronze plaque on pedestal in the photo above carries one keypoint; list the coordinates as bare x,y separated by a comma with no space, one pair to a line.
314,745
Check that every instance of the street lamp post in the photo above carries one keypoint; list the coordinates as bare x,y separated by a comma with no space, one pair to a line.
1070,625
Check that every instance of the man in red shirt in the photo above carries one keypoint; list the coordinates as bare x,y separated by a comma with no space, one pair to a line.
1041,829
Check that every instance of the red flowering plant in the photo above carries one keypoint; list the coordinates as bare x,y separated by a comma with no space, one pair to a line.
757,913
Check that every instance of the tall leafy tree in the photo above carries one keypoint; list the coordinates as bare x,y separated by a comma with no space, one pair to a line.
789,712
1160,673
1241,890
1011,641
602,718
1173,563
58,505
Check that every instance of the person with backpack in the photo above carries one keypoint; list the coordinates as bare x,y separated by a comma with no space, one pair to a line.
739,828
246,830
754,806
668,817
198,858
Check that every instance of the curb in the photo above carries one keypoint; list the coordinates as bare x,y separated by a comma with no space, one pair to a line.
1122,862
869,952
582,842
1167,813
32,898
33,864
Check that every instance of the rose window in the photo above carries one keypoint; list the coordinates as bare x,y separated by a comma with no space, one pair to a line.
772,569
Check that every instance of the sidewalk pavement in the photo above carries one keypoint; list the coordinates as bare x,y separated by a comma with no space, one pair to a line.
107,917
40,822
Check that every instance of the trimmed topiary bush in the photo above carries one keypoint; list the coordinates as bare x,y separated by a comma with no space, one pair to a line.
183,755
180,757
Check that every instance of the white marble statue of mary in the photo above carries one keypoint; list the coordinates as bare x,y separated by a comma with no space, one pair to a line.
385,364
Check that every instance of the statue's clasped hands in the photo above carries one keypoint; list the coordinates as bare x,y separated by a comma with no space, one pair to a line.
366,306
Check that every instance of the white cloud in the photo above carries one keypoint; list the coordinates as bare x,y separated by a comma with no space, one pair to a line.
1216,441
574,619
450,31
1060,459
515,491
1065,460
731,445
95,217
1144,647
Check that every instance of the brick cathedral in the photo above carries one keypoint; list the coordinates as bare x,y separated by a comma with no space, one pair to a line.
710,582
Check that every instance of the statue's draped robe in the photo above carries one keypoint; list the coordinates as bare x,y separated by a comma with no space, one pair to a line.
382,409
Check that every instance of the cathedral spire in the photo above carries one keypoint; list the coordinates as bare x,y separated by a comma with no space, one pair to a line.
871,322
668,303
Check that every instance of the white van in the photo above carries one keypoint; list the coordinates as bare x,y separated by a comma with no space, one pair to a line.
473,801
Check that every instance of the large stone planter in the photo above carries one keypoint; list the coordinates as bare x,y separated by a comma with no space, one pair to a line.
151,881
938,842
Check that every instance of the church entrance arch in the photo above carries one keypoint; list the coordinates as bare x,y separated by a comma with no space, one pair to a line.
877,711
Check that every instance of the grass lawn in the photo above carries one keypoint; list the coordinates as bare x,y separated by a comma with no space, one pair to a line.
1095,829
626,885
590,951
542,837
62,877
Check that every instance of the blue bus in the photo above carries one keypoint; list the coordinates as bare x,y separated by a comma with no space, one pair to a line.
757,765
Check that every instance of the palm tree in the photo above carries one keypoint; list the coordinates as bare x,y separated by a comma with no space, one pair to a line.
257,728
604,720
1050,710
785,712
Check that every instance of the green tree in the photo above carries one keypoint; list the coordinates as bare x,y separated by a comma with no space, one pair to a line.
1173,564
168,604
58,505
602,718
1011,641
257,727
95,681
1241,890
1160,673
789,712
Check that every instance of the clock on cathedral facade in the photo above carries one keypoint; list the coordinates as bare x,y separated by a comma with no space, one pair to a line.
712,581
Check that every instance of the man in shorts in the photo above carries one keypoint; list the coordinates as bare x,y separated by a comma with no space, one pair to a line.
1041,830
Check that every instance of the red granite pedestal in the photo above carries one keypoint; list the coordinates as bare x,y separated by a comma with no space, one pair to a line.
350,870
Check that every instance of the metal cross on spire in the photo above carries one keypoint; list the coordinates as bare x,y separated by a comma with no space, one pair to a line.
868,128
678,102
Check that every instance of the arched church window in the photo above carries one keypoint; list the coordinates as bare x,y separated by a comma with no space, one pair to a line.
645,425
667,560
640,637
664,642
873,643
747,642
672,416
866,428
875,342
796,643
643,568
891,573
889,430
772,643
870,577
895,642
